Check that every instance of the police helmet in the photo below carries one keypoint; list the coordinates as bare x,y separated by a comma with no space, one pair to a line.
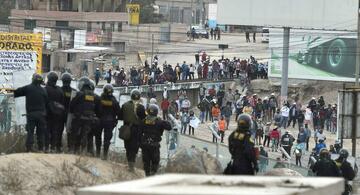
85,84
66,78
344,153
37,78
52,77
244,122
108,89
135,94
153,101
153,110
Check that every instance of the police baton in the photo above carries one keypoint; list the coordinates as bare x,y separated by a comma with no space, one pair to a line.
215,133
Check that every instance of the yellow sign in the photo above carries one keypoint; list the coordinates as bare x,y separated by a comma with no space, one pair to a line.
21,51
134,13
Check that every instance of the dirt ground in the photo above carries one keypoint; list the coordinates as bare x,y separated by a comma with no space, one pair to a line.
35,173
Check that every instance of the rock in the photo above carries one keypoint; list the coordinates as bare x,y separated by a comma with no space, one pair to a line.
192,160
283,172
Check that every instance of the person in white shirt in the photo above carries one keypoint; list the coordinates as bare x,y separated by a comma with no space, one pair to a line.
284,116
308,116
185,106
165,93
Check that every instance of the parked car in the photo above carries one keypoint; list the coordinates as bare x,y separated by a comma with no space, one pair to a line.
199,32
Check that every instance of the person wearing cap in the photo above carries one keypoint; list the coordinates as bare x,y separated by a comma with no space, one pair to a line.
36,104
266,109
272,104
275,137
328,114
284,116
312,104
287,141
267,134
97,76
293,113
300,118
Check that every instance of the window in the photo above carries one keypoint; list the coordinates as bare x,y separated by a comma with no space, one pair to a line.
29,24
89,27
103,26
112,26
71,57
119,26
62,24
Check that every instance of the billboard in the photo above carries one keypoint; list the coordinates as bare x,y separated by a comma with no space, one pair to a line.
134,13
212,15
307,14
315,54
20,54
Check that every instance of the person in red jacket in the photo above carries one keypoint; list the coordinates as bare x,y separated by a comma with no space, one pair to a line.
165,108
274,137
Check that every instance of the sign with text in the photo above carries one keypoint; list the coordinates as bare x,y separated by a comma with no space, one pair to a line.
20,54
134,13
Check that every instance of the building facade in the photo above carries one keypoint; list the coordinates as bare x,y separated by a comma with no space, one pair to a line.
68,24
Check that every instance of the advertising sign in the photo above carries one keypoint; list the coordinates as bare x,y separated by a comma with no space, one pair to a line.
306,14
20,54
80,38
212,15
134,13
315,54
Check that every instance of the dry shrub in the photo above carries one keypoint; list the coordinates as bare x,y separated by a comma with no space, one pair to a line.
12,142
12,180
66,176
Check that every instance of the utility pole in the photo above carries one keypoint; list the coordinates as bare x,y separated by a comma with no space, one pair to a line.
192,13
355,93
285,65
152,48
357,68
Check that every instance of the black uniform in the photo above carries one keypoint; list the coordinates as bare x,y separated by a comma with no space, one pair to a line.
347,172
55,117
151,131
132,114
243,153
110,110
86,109
36,101
287,142
67,90
325,167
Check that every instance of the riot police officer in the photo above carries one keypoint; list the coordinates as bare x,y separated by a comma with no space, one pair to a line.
36,102
69,92
347,172
132,113
325,167
110,111
241,147
85,107
152,129
287,142
55,116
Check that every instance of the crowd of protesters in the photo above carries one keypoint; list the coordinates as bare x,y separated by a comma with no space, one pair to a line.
203,68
